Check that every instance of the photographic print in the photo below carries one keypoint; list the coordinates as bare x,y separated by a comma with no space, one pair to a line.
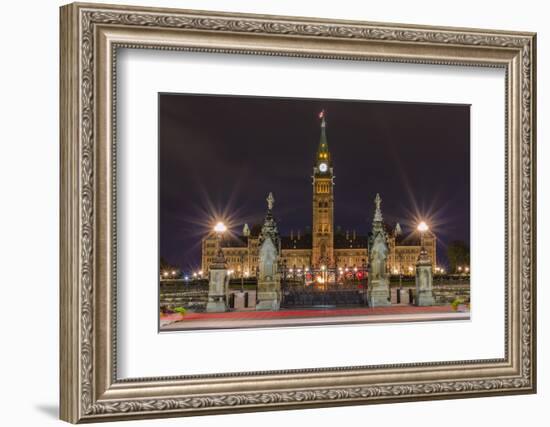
322,216
282,212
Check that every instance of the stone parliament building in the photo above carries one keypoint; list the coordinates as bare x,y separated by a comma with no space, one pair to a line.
321,247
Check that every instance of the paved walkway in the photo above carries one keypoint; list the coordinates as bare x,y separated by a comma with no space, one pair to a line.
314,316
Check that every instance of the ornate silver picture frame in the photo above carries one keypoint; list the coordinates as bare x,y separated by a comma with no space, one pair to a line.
91,36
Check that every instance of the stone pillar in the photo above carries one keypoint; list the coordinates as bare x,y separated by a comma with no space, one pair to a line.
218,284
269,281
378,292
424,280
239,300
269,296
404,296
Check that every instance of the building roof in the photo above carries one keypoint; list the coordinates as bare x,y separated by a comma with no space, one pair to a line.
234,242
410,240
342,240
304,242
347,241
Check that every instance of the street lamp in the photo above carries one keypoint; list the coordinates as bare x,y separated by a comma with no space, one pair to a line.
422,227
364,277
219,229
324,274
242,274
400,271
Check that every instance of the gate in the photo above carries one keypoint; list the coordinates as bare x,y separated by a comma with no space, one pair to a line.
327,296
326,287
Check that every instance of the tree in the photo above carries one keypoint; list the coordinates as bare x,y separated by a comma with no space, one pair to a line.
458,254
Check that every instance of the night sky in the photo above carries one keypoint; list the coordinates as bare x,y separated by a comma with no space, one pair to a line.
221,155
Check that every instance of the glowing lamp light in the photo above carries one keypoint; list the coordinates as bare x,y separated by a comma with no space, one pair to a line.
320,279
423,227
173,272
220,227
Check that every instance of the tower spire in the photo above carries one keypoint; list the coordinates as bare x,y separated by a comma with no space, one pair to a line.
377,211
323,155
323,144
270,201
323,202
269,228
378,220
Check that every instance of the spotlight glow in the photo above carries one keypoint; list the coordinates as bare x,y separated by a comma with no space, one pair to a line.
220,227
422,227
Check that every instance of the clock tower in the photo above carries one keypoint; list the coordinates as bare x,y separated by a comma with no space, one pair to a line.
323,203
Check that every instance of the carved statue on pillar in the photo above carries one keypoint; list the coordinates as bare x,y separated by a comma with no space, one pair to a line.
269,280
378,293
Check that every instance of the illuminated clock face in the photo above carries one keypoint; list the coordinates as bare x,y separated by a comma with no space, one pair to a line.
323,167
